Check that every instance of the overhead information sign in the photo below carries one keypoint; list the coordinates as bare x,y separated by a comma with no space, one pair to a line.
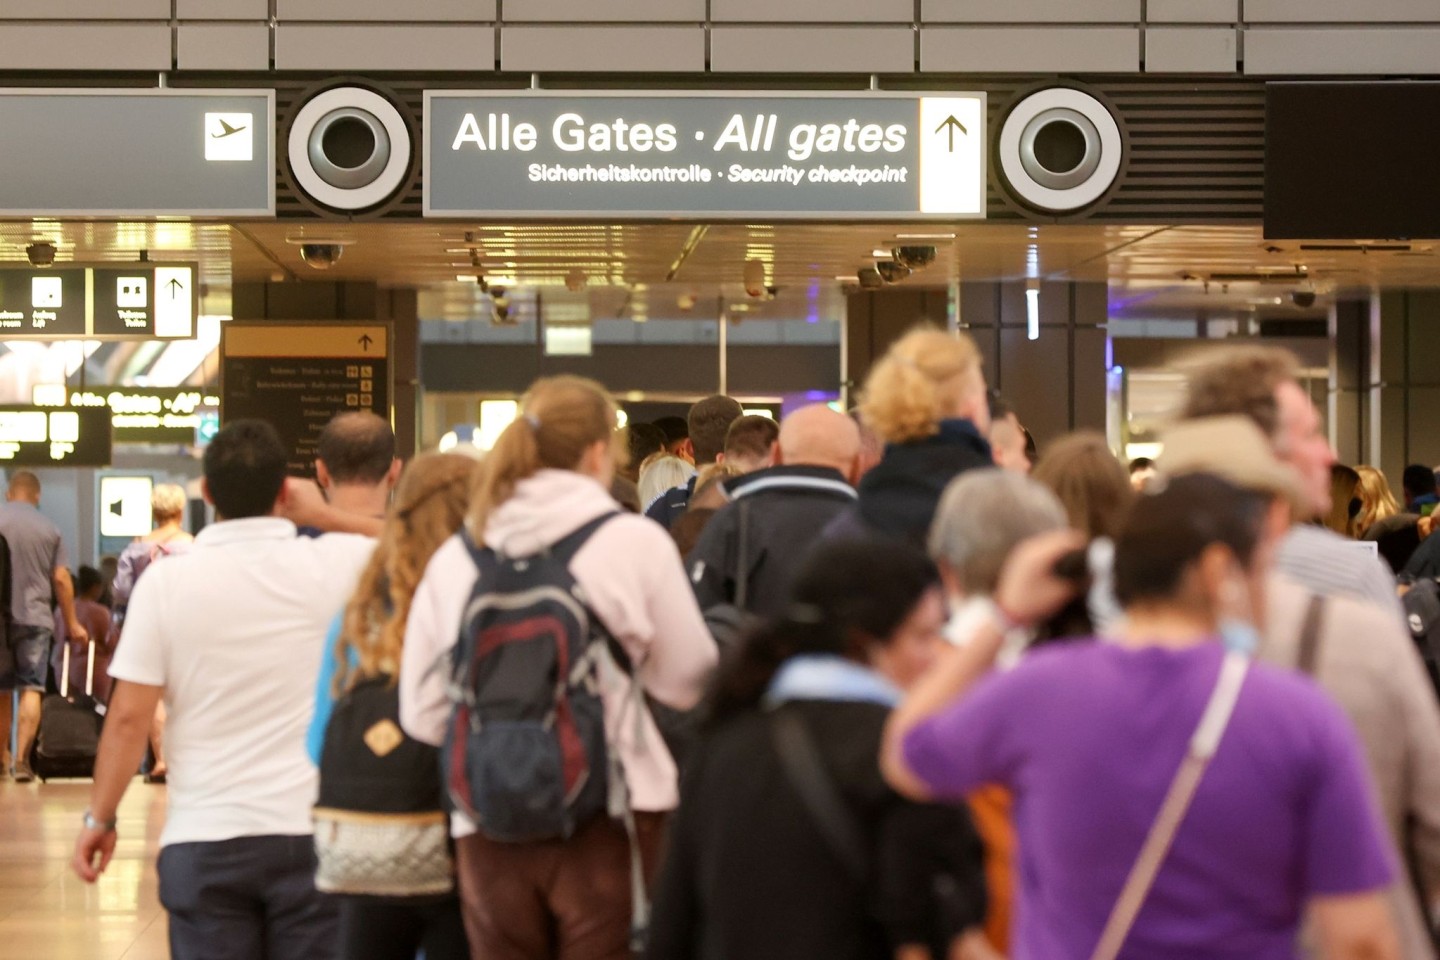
142,152
142,301
125,506
47,437
150,414
298,376
570,154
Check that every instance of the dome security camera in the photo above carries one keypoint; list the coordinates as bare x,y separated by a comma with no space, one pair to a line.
321,256
916,258
41,253
891,271
869,278
1303,298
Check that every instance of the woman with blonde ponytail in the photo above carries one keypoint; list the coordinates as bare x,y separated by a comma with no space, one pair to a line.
364,645
925,398
546,477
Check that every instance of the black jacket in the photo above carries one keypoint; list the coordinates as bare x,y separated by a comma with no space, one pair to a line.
899,497
750,875
785,510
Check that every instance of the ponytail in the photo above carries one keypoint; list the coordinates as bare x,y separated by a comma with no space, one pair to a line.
917,384
560,418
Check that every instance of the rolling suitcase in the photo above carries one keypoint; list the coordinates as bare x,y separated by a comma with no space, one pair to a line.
69,734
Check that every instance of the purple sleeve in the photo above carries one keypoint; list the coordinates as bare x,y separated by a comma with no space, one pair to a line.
977,739
1347,849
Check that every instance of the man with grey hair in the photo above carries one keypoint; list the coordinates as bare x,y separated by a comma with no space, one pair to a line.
754,544
982,517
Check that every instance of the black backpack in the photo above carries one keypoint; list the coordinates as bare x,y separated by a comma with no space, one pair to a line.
380,826
1422,615
526,755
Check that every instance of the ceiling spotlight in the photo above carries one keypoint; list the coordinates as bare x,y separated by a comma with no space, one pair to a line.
891,271
686,301
869,278
41,253
1304,299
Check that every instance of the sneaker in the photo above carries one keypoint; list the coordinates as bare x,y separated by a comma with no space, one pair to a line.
23,773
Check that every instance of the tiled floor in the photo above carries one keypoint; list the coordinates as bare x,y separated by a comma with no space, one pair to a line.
46,912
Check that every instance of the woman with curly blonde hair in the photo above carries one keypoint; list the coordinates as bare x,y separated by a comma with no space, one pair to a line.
926,400
365,643
1376,501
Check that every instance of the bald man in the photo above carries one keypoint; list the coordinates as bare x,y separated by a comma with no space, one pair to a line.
752,548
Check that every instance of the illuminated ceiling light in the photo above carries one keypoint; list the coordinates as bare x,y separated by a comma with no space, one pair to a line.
1032,309
466,278
924,236
880,254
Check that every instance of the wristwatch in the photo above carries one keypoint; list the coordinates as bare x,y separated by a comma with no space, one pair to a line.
104,826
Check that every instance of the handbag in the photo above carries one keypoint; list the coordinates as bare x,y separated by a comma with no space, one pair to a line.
1203,744
380,830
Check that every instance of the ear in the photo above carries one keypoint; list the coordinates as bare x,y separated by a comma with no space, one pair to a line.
322,475
950,579
393,477
772,457
686,450
1213,571
205,491
283,497
852,475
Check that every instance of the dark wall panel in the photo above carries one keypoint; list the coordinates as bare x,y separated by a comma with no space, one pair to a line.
687,370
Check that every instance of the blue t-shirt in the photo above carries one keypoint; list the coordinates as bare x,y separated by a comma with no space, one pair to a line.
325,690
1089,737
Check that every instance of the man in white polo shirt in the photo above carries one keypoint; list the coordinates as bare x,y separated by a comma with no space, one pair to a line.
230,636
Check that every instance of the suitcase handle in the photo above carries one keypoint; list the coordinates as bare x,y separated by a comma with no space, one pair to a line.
89,669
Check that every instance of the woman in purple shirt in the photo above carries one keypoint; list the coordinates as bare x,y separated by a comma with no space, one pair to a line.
1090,737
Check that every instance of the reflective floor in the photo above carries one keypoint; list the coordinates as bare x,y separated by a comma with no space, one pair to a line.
45,911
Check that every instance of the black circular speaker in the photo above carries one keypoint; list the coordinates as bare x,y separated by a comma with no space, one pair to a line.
349,148
1060,149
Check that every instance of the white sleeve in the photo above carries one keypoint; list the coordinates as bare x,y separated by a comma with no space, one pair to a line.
140,655
431,631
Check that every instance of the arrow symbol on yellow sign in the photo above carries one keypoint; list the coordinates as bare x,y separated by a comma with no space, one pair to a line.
950,125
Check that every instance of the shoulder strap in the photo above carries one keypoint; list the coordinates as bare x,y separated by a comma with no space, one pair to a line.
742,585
1203,745
801,763
1310,636
567,546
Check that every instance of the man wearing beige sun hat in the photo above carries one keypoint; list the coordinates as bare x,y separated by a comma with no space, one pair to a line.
1355,650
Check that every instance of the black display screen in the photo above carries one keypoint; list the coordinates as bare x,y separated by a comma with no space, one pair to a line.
1352,161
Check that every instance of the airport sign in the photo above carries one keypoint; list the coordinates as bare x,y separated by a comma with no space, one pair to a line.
127,152
49,437
297,376
696,155
170,415
138,301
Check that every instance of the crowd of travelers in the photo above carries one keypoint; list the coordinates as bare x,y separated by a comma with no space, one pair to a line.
891,683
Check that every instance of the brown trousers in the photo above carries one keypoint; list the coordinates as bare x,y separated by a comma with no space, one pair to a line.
561,899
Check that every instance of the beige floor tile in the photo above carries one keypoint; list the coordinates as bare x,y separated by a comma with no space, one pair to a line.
45,910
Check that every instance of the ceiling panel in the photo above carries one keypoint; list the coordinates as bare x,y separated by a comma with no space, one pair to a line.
659,264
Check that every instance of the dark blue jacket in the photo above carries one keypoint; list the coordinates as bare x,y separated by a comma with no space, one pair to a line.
671,504
899,497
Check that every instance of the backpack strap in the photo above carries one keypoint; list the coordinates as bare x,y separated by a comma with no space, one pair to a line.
803,768
1310,636
567,546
